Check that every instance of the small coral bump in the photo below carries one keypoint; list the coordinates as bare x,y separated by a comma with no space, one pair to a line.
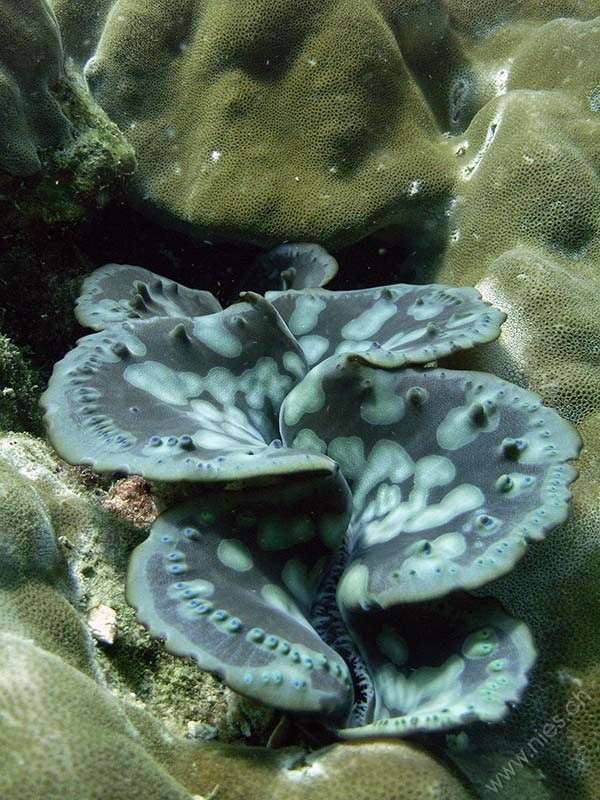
186,442
432,329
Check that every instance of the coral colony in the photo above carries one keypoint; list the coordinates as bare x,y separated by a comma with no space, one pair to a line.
340,496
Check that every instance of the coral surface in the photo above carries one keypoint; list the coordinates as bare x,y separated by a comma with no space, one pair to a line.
59,153
31,67
252,122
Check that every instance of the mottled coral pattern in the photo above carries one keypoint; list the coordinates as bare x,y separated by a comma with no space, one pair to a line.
252,122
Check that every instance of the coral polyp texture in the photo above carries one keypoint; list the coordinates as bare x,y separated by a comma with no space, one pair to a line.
32,118
251,121
345,499
59,153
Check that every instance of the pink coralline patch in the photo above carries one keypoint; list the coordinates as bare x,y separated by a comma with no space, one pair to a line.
131,499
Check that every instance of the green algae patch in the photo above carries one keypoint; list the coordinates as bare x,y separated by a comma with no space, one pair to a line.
91,163
19,390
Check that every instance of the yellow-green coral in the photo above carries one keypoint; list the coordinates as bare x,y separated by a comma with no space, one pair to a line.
59,153
73,740
551,339
250,121
376,770
35,583
31,66
524,229
324,121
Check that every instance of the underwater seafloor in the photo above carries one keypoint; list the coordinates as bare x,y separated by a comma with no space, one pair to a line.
452,142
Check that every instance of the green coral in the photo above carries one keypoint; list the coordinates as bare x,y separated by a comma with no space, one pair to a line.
73,738
525,230
34,578
92,163
251,121
59,153
31,66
